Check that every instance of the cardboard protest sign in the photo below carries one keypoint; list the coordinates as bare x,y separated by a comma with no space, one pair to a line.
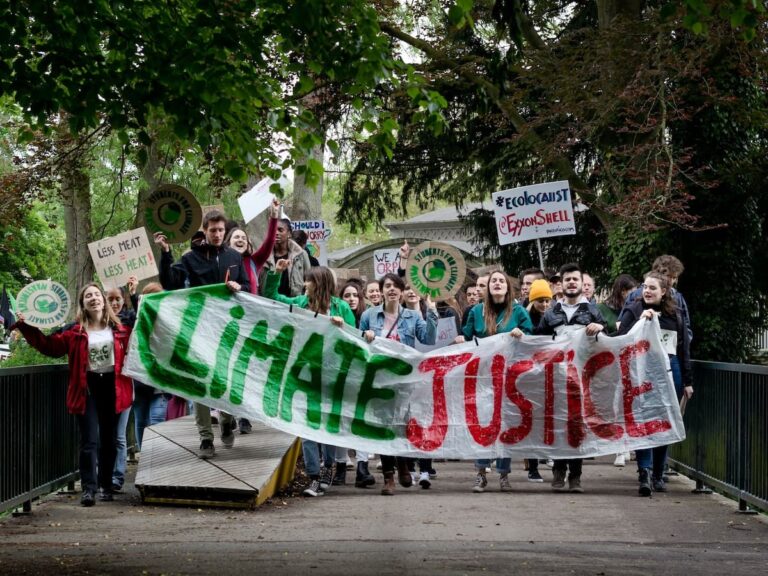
256,200
174,211
537,211
571,397
44,304
446,334
317,235
385,261
436,270
117,258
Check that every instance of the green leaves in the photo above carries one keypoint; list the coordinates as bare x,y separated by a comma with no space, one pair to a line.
459,14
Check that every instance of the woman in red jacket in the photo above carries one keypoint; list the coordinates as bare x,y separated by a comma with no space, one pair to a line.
97,392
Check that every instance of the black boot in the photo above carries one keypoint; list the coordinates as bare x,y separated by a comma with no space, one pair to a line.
363,477
340,477
644,475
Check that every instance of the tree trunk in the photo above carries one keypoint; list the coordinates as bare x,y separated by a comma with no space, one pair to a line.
151,177
306,202
76,197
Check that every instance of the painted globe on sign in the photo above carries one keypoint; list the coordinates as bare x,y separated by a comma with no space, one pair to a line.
435,270
169,213
45,306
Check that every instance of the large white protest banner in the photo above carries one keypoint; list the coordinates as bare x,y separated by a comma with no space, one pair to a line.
575,396
117,258
537,211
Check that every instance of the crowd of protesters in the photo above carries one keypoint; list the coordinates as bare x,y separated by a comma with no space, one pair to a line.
534,302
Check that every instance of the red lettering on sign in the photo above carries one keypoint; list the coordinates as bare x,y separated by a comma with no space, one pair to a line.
630,392
515,434
548,358
596,423
483,435
431,438
576,431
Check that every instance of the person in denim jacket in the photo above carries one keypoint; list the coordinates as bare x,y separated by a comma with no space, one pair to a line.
410,324
392,320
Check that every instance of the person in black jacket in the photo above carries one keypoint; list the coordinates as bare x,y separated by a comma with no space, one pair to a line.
208,262
573,313
659,300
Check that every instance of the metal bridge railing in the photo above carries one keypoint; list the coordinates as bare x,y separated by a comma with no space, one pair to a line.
38,439
727,431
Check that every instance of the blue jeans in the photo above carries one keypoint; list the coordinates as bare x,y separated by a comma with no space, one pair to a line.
118,471
656,458
503,465
311,451
149,408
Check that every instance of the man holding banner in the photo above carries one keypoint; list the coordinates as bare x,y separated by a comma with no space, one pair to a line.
575,312
209,262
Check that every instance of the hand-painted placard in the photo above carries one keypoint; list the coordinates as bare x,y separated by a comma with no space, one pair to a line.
386,261
117,258
446,334
536,211
44,304
570,397
174,211
318,234
436,270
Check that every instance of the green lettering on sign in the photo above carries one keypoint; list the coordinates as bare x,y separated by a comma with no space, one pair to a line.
311,356
258,346
349,352
368,392
224,353
189,319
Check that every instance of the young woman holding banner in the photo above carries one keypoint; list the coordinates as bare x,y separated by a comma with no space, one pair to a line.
352,294
498,313
394,321
319,287
97,392
657,300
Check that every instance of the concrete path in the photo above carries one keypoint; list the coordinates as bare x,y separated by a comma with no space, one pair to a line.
446,530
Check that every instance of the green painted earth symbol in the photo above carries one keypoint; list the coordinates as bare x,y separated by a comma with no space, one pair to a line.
169,213
435,271
45,306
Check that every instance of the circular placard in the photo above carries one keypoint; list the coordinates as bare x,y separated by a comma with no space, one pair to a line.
44,303
436,269
174,211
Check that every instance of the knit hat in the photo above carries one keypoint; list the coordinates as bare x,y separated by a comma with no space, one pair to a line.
539,289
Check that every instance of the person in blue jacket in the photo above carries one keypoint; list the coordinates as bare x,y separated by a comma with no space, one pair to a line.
392,320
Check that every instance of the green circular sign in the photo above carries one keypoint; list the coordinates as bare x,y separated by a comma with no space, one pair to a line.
436,270
44,303
174,211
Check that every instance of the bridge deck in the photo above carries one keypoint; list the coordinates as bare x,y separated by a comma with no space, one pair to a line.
244,476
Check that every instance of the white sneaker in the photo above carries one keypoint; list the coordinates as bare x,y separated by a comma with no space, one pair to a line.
619,461
504,484
424,481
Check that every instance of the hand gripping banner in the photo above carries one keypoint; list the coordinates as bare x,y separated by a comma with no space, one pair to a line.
574,396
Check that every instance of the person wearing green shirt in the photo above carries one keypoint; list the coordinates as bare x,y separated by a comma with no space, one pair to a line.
498,313
319,288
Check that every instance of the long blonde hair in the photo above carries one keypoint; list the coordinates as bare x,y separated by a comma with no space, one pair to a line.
108,318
